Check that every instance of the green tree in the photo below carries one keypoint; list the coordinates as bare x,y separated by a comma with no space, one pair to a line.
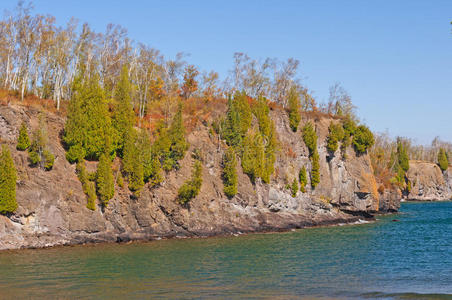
253,156
336,134
148,156
230,173
402,155
294,108
443,160
294,187
310,138
8,177
315,172
303,178
238,119
105,182
363,139
190,189
123,117
23,141
132,163
87,132
176,133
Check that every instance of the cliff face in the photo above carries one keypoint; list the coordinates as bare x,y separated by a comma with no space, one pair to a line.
52,206
428,183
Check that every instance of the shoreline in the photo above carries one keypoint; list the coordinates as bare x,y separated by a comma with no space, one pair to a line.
127,239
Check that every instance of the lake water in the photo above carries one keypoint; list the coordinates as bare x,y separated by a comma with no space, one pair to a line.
411,258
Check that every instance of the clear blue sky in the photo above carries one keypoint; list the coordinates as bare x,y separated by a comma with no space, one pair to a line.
393,57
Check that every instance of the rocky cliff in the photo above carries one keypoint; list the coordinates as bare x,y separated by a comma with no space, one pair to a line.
52,206
428,183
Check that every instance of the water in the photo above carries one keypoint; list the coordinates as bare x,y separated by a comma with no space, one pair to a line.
408,259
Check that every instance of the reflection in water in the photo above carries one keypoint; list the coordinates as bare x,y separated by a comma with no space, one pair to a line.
378,260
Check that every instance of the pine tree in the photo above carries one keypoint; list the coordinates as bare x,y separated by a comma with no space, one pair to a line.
443,160
253,156
303,178
8,177
232,131
91,193
39,155
132,163
105,182
294,108
402,155
23,142
230,173
123,115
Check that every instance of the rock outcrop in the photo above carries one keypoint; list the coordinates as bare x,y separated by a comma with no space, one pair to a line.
52,206
428,182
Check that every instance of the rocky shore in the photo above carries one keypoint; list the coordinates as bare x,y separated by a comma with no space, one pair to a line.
52,206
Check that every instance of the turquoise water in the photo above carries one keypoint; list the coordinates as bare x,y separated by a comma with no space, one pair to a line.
408,259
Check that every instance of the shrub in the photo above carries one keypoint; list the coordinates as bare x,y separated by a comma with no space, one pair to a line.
91,193
23,141
49,159
230,173
363,139
190,189
8,177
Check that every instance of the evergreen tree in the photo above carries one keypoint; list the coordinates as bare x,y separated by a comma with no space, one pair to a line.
190,189
270,153
176,134
294,187
336,134
232,131
88,125
261,111
132,163
230,173
149,159
310,137
403,159
443,160
123,115
8,177
91,194
253,156
23,142
363,139
105,182
303,178
315,171
294,108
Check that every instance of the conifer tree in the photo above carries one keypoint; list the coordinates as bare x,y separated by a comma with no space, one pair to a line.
443,160
105,182
88,124
230,173
190,189
294,108
315,171
149,159
132,163
310,137
402,155
91,194
363,139
232,132
303,178
123,115
8,177
294,187
253,156
23,142
336,134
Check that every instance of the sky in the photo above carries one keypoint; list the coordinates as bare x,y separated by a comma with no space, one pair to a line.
393,57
